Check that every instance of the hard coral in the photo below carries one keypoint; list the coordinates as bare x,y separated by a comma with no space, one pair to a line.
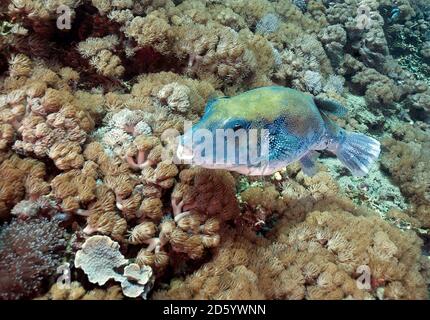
101,259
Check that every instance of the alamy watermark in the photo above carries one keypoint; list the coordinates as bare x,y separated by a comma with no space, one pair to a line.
64,20
364,19
222,146
364,281
64,280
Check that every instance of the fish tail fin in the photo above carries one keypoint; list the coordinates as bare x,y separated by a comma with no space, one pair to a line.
357,151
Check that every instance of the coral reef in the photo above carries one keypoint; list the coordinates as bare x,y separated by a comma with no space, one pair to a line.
91,103
40,114
21,178
407,161
100,259
318,258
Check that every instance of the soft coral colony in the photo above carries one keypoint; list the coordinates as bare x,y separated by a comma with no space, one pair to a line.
85,184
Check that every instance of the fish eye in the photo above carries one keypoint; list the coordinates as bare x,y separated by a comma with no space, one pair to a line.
237,126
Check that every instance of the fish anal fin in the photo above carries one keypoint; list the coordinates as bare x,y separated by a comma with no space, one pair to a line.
307,163
331,107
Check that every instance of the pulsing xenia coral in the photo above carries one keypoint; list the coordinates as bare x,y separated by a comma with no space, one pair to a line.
77,292
101,56
199,215
117,134
407,161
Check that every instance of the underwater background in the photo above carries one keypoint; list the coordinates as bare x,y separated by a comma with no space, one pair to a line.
90,208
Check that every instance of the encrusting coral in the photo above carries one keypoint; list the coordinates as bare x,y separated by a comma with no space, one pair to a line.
89,115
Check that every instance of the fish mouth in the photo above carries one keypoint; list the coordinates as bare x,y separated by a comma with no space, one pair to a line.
186,154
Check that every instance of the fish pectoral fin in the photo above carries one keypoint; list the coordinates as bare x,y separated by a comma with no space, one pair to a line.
307,163
331,106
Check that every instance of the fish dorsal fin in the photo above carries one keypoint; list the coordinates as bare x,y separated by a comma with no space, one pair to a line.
331,107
